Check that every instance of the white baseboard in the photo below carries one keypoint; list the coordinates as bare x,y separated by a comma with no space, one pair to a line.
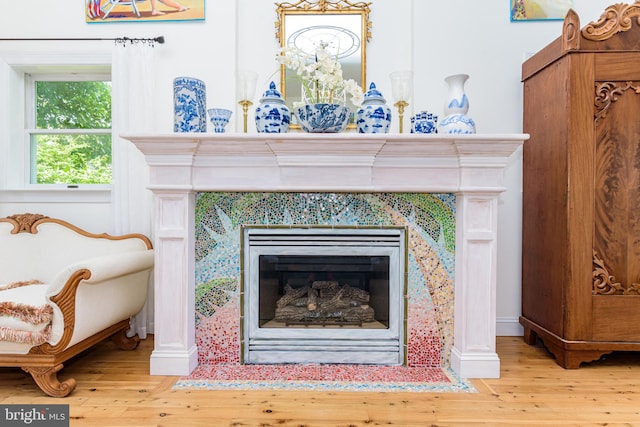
508,327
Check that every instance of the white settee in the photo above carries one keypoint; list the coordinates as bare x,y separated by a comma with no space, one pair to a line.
62,290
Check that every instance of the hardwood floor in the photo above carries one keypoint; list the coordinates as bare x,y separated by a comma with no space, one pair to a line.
114,389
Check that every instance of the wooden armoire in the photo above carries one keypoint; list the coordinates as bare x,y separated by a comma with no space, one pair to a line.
581,189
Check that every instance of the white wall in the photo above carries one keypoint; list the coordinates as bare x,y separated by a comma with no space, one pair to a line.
433,38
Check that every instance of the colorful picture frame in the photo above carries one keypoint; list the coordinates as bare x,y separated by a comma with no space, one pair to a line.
100,11
539,10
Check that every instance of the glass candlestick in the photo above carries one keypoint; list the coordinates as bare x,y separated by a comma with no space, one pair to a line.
245,91
401,88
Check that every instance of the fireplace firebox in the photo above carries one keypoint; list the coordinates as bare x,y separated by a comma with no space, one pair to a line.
324,295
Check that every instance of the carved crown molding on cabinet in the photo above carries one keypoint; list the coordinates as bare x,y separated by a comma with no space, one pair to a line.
616,18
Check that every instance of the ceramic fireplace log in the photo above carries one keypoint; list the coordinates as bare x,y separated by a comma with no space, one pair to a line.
290,295
336,304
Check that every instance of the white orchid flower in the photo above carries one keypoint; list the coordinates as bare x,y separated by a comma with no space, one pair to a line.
320,75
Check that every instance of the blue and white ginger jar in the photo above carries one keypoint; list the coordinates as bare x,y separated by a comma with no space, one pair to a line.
374,116
272,115
190,105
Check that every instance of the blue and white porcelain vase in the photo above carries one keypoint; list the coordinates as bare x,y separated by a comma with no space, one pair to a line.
272,115
190,105
424,122
374,116
323,118
456,107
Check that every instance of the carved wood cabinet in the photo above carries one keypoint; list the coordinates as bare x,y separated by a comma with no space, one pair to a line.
581,189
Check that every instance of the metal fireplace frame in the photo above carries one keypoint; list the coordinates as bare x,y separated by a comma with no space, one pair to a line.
263,345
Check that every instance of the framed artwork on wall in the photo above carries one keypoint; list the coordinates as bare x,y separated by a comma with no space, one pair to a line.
538,10
97,11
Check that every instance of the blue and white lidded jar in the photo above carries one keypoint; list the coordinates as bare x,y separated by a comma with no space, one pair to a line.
374,116
272,115
190,105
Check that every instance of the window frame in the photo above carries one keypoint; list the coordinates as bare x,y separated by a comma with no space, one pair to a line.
14,177
30,80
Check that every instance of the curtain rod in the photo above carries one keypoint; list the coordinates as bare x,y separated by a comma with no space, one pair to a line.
123,40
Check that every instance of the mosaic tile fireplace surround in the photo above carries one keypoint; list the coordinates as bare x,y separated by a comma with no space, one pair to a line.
443,189
430,219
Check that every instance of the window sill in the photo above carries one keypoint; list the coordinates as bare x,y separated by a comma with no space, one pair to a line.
56,195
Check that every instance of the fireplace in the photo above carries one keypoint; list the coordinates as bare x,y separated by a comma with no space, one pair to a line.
324,295
470,167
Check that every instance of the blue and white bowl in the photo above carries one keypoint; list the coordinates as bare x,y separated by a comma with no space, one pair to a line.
323,118
219,118
189,101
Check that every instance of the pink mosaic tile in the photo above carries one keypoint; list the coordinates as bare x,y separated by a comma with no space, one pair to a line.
324,377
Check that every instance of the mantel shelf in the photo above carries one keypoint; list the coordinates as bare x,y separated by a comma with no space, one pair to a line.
332,162
353,144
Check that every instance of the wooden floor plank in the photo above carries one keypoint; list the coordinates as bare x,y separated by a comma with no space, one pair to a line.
116,390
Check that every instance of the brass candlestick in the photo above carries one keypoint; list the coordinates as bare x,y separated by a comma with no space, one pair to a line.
245,111
401,106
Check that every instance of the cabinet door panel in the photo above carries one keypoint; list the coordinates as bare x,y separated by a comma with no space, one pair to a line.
617,190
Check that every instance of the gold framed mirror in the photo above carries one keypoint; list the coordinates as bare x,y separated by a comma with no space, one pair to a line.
341,25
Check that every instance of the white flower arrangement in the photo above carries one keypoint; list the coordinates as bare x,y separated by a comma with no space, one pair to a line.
320,76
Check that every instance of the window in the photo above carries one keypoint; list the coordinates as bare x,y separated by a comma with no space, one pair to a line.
69,129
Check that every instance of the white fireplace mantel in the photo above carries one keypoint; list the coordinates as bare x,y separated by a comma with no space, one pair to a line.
470,166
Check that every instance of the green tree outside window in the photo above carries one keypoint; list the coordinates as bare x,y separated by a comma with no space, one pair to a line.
78,148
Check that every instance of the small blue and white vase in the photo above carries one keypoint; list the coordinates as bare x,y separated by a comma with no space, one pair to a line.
456,108
374,116
190,105
272,115
424,122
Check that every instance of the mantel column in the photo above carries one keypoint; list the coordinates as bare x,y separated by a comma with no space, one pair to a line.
474,338
175,351
474,347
